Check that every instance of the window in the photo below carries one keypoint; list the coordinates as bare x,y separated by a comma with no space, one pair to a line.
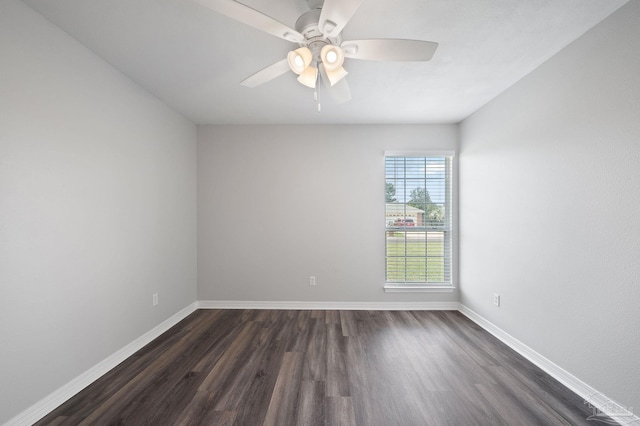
418,221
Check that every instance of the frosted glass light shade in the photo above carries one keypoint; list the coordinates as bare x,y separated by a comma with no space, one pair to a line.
309,77
336,75
332,57
299,59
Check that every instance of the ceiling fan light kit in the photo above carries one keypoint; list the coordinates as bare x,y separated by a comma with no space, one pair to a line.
321,50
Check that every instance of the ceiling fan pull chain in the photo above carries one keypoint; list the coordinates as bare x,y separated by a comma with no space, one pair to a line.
315,94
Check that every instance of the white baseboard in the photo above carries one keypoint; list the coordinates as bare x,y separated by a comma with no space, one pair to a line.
55,399
324,306
596,400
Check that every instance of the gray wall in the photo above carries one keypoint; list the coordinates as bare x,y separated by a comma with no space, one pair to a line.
550,208
97,209
277,204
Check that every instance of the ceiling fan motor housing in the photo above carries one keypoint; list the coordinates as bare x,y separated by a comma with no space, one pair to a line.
307,25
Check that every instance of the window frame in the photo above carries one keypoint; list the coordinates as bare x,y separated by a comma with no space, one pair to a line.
450,197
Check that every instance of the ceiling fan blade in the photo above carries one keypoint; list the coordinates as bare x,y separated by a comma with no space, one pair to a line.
253,18
339,92
388,49
267,74
335,14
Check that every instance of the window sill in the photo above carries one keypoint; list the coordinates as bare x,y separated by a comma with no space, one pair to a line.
392,288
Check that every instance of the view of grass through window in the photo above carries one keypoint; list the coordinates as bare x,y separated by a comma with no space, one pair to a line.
413,258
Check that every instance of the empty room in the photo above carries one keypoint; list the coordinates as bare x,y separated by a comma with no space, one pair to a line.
308,212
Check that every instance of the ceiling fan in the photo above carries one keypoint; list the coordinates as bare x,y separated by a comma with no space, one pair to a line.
321,50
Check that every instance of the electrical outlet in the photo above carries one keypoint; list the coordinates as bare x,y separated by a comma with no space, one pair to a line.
312,280
155,299
496,299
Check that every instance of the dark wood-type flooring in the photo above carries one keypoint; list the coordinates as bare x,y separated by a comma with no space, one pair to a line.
268,367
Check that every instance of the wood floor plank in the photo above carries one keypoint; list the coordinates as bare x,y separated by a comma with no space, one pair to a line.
311,407
247,369
253,407
220,335
471,400
364,386
284,400
332,317
347,321
220,418
440,329
208,418
337,383
355,323
232,359
173,403
301,332
315,359
283,324
199,408
65,421
340,412
279,367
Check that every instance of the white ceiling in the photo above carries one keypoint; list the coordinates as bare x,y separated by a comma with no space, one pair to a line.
194,59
